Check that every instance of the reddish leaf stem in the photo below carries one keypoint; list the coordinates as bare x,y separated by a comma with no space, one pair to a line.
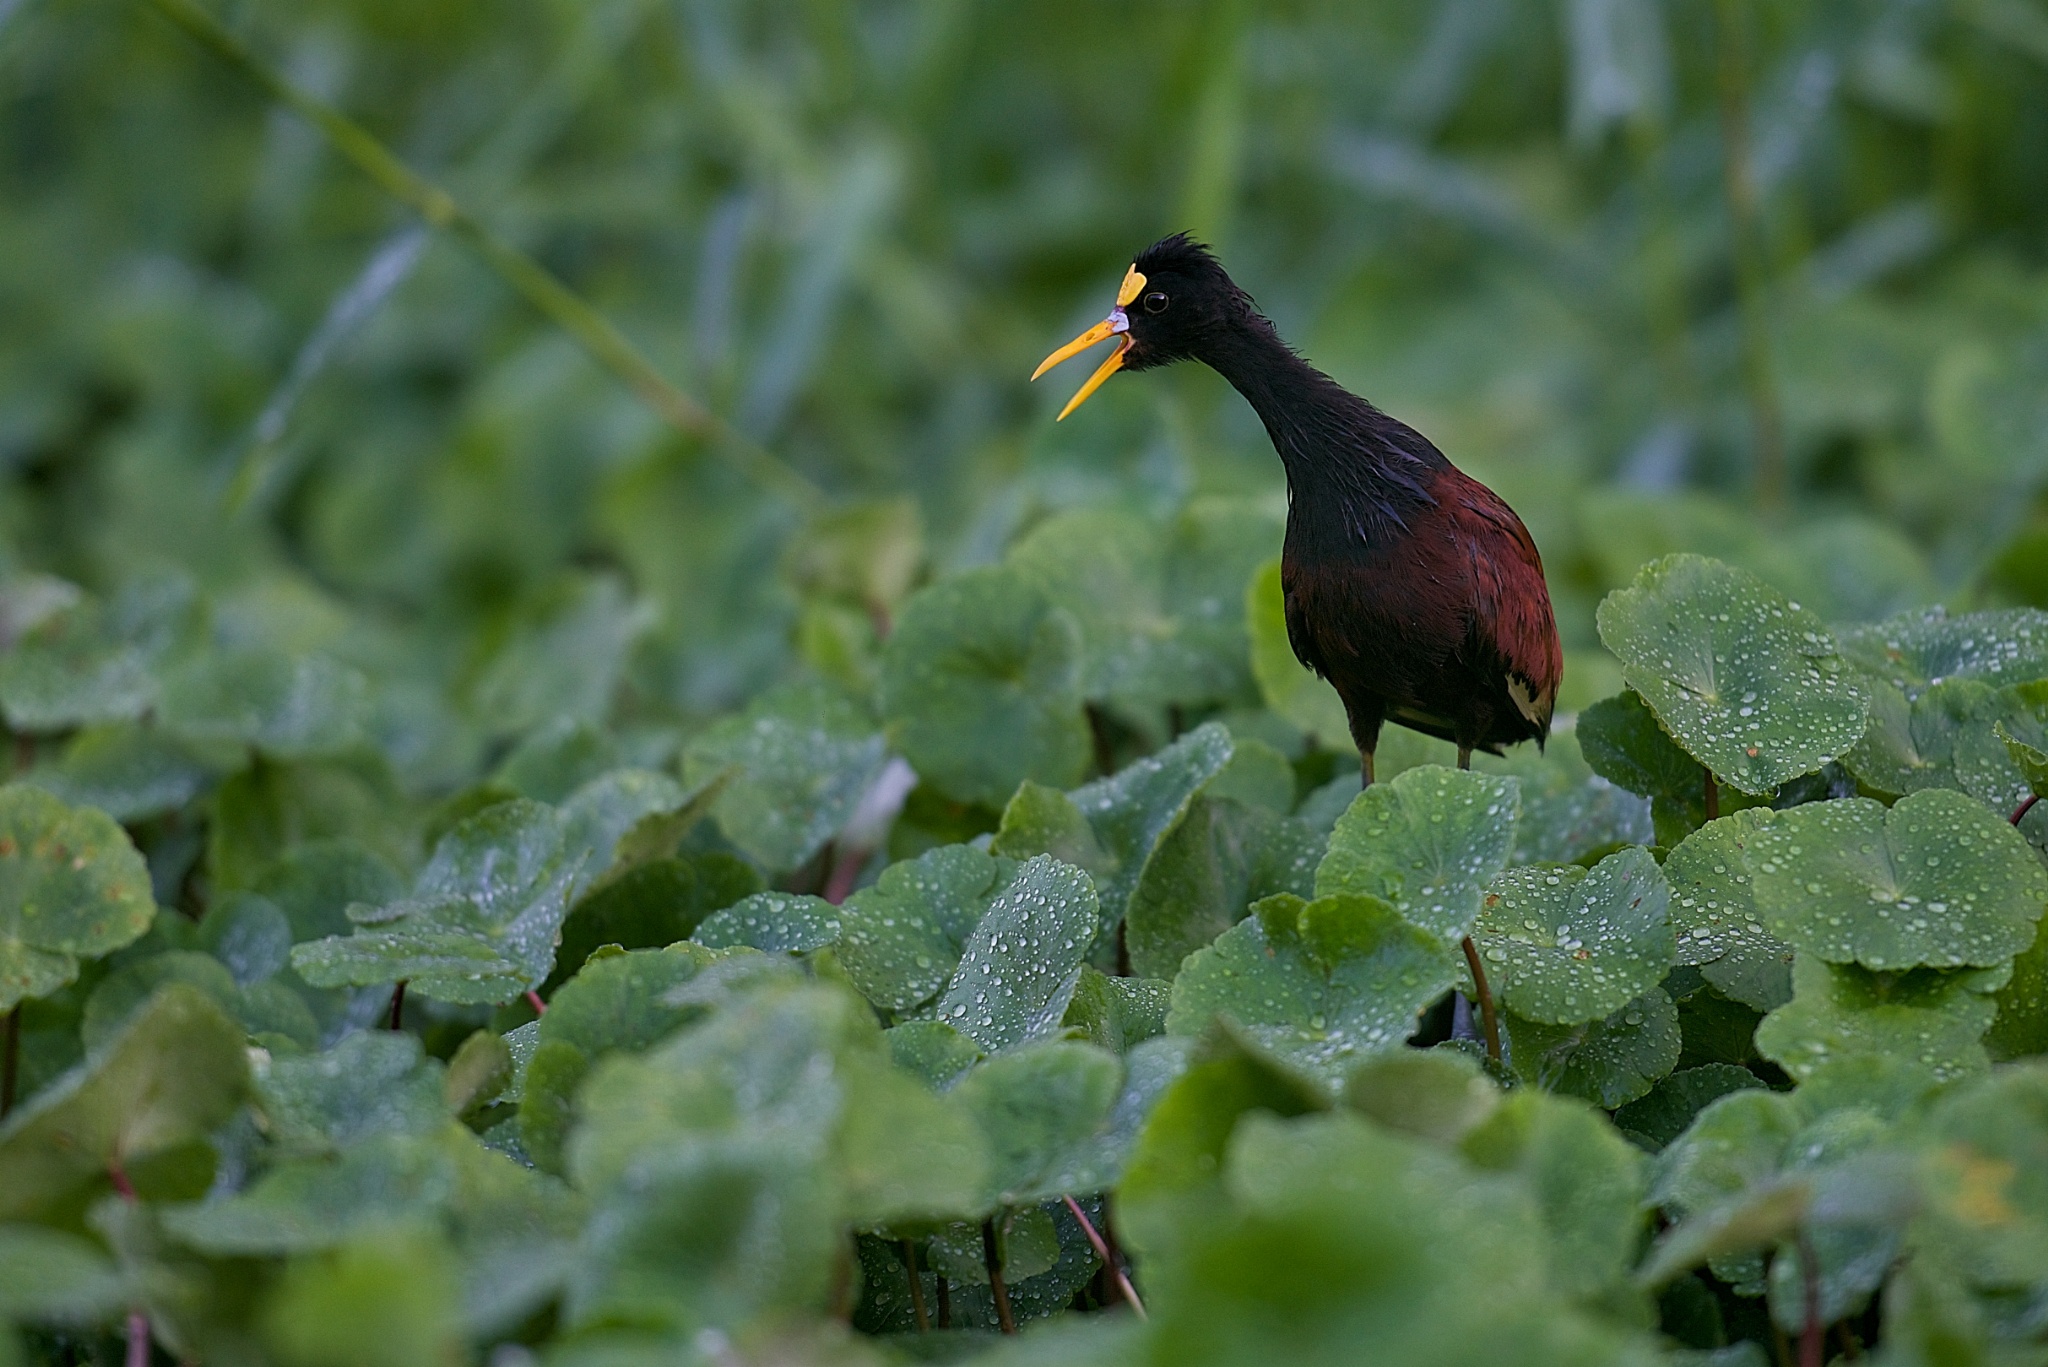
994,1261
397,1020
540,1008
138,1339
1713,796
924,1324
1487,1017
846,867
2019,813
1109,1262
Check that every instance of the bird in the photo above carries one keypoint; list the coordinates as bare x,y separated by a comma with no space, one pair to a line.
1410,586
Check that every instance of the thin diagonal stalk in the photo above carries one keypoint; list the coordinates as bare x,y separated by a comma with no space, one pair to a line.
1109,1263
598,335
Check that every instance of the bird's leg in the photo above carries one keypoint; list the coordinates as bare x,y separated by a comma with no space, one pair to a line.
1365,769
1366,717
1464,757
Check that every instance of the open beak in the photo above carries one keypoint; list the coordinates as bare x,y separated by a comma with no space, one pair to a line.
1117,325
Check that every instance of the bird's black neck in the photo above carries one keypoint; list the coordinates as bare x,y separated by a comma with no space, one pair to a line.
1352,471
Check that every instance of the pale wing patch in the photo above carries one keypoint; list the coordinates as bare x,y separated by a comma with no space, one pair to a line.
1533,706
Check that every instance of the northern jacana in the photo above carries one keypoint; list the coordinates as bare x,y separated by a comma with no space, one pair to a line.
1410,586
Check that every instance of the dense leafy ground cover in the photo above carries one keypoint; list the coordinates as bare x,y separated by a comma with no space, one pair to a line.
1762,931
906,811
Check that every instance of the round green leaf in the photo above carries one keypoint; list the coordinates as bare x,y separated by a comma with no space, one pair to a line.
1948,736
1608,1062
1134,810
778,922
1936,879
288,707
1221,858
126,769
1426,841
981,681
1714,914
1322,984
1932,1018
1564,945
900,939
71,885
1019,968
1916,650
1746,680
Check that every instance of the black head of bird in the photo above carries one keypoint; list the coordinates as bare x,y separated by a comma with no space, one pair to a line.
1410,586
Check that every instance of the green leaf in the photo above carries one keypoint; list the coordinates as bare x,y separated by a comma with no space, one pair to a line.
1426,841
1222,857
1986,1216
1936,880
1916,650
315,883
1117,1013
2022,1025
481,923
1438,1094
777,922
303,707
1287,685
2029,759
1677,1100
265,1010
1568,810
1933,1018
1609,1062
932,1051
982,685
801,757
372,1082
653,903
1946,737
622,1001
71,885
1715,917
263,813
304,1206
1747,681
602,814
391,1297
126,769
48,1276
249,935
172,1076
1019,968
1257,776
564,659
1624,743
900,939
94,662
557,758
1034,1106
1588,1182
1323,984
1563,945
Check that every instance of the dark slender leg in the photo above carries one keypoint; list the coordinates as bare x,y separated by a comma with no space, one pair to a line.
945,1300
1364,769
1464,757
1365,719
1713,797
924,1324
397,1021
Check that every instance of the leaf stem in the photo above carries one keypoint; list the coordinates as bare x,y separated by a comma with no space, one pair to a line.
945,1299
10,1060
1811,1348
540,1008
397,1018
1488,1020
924,1324
138,1339
994,1261
1109,1260
1712,795
2019,813
598,335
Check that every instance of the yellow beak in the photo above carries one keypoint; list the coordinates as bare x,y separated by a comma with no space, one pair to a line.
1116,325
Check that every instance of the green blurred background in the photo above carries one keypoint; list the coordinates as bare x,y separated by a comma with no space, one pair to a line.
1764,280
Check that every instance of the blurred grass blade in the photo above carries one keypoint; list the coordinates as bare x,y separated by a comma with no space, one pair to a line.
605,343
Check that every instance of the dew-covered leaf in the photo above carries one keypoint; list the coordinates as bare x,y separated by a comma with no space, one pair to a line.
557,758
72,885
1117,1013
1930,1017
170,1078
1288,686
1427,841
1322,984
932,1051
1937,879
1948,736
250,935
1133,810
778,922
287,707
265,1010
97,662
482,920
126,769
900,939
600,815
1746,680
1568,810
1222,857
2031,760
1609,1062
371,1082
800,757
1036,1106
1019,967
1624,743
315,883
1714,913
1563,944
1915,650
1677,1100
982,684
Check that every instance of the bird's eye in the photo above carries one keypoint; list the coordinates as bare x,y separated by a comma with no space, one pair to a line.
1155,302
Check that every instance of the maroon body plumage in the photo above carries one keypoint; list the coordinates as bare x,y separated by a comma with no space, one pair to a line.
1409,585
